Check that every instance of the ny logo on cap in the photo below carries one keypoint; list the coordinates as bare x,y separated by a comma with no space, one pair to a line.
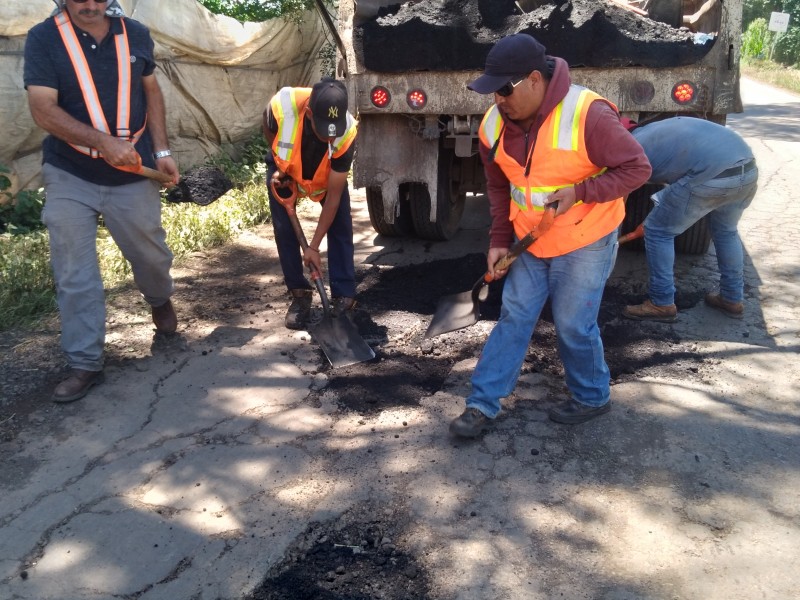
333,112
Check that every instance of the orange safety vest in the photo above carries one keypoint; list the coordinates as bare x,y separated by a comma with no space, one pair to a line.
559,159
86,82
289,106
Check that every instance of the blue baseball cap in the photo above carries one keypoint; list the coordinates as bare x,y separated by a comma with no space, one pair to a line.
511,58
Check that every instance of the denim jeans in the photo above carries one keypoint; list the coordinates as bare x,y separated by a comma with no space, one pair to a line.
341,267
574,283
681,205
132,215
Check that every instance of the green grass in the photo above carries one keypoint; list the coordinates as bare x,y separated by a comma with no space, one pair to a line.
27,291
772,73
26,281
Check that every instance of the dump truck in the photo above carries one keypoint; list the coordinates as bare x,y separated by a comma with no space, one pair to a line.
406,67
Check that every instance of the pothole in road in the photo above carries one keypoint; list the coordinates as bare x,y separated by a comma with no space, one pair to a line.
352,557
395,308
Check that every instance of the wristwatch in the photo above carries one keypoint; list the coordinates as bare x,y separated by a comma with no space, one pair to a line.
162,154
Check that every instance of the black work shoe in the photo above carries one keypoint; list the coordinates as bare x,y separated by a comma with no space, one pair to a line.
164,317
470,424
77,385
572,412
342,305
299,310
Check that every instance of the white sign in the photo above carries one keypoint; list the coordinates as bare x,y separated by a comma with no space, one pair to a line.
779,22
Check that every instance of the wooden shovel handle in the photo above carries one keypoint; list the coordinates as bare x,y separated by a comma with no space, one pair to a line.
316,276
633,235
140,169
522,244
153,174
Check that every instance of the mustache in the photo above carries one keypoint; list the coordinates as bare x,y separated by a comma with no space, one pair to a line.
90,12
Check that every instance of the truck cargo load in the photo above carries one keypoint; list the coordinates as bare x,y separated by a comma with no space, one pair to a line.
406,66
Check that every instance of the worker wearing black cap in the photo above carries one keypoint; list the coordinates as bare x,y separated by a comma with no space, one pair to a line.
543,142
311,134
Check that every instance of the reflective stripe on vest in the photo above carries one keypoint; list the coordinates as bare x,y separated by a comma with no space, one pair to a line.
567,116
88,89
284,107
558,159
288,106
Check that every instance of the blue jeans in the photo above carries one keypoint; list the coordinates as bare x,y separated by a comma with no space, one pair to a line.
341,267
132,215
681,205
574,283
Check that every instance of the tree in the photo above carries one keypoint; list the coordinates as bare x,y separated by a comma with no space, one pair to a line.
786,48
754,9
756,40
257,11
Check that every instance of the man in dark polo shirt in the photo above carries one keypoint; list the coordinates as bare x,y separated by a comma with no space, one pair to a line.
89,73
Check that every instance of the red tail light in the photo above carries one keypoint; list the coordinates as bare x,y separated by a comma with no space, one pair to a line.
416,99
380,96
684,92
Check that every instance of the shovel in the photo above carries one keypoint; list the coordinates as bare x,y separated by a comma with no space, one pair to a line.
337,336
462,310
201,185
633,235
140,169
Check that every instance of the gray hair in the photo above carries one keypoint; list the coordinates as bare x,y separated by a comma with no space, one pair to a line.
112,10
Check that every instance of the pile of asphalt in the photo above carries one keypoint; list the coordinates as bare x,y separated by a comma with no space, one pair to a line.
457,34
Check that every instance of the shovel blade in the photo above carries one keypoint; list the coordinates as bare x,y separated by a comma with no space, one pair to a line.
452,313
340,341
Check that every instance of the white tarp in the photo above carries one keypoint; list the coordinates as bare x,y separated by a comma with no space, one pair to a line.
217,75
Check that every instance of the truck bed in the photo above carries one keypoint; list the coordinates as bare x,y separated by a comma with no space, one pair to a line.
452,35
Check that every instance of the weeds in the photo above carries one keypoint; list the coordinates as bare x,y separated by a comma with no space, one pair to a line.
772,73
27,290
26,281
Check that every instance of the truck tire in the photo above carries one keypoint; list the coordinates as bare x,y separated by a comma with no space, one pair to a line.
695,240
402,225
449,202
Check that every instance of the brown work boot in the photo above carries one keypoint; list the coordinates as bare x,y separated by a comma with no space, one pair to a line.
342,305
647,311
470,423
735,310
77,385
299,310
164,317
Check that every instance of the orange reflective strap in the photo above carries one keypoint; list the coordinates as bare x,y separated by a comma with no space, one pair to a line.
124,85
88,89
78,59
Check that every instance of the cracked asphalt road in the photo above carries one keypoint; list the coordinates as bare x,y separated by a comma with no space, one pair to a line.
225,455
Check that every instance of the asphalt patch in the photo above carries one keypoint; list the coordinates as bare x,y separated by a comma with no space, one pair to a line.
402,299
338,560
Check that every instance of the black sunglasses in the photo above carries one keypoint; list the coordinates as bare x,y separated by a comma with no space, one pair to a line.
508,88
85,1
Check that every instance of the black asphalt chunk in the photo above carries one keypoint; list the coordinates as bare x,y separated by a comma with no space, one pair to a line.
451,35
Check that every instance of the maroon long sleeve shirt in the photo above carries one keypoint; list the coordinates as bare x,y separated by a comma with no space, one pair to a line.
608,144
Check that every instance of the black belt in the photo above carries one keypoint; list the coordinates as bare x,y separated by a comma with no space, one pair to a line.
740,170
